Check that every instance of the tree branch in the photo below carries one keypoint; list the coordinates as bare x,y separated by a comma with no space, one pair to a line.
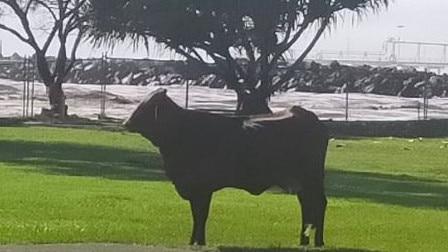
28,6
188,56
76,8
73,52
290,72
230,68
25,24
14,32
198,56
287,44
48,8
50,37
251,70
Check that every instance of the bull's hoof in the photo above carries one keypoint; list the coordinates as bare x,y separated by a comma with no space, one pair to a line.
196,243
197,247
318,244
304,241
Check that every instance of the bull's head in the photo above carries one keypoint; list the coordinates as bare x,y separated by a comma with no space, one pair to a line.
147,117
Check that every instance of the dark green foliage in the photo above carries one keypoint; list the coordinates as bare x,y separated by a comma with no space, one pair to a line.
245,39
215,25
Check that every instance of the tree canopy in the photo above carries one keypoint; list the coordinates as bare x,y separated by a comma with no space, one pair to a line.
245,39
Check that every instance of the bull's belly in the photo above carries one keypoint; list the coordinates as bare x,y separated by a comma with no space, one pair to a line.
252,175
254,184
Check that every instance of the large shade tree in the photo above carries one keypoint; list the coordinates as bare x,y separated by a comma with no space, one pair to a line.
244,39
41,25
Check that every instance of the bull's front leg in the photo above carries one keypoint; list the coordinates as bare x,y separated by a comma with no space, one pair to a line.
200,205
305,227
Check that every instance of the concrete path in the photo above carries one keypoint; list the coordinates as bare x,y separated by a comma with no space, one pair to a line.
89,247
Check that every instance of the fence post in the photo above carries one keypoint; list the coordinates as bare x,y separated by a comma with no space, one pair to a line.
346,102
24,89
425,97
187,90
33,76
187,87
418,111
27,94
27,85
103,87
425,101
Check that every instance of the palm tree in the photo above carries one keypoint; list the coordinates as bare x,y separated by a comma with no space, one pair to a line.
244,39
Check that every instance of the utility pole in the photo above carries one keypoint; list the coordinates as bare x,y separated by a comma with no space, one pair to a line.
400,27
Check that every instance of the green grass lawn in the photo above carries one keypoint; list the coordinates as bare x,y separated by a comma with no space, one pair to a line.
60,185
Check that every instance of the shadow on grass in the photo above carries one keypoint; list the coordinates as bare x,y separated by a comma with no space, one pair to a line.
239,249
82,160
400,190
118,163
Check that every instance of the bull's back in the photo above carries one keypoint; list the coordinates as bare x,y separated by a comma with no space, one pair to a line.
287,151
298,133
217,151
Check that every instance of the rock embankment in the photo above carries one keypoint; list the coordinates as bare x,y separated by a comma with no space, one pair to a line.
335,78
310,77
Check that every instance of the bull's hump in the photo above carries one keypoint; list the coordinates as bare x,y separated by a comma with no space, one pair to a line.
153,94
281,115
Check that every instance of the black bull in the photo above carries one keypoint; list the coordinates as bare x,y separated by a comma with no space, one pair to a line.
204,152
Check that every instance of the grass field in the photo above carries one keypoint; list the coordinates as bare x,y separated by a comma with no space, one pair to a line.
60,185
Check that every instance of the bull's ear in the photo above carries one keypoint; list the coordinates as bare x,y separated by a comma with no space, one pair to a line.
160,91
156,113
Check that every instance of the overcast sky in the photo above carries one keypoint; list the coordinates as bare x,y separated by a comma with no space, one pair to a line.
420,20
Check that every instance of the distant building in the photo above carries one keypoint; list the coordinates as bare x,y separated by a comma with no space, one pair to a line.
15,56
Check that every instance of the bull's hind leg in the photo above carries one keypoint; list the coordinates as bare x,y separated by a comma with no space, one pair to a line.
313,204
306,211
321,205
200,205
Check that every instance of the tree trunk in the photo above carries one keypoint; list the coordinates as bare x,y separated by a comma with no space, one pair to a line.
253,103
55,92
57,101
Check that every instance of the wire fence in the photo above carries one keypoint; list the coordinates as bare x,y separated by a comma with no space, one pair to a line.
111,88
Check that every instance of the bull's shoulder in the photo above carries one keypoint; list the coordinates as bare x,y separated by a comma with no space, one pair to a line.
197,129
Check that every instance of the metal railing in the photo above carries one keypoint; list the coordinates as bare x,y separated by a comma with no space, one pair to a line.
104,102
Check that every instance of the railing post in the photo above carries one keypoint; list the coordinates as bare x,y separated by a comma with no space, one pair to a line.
33,72
187,90
24,89
103,87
